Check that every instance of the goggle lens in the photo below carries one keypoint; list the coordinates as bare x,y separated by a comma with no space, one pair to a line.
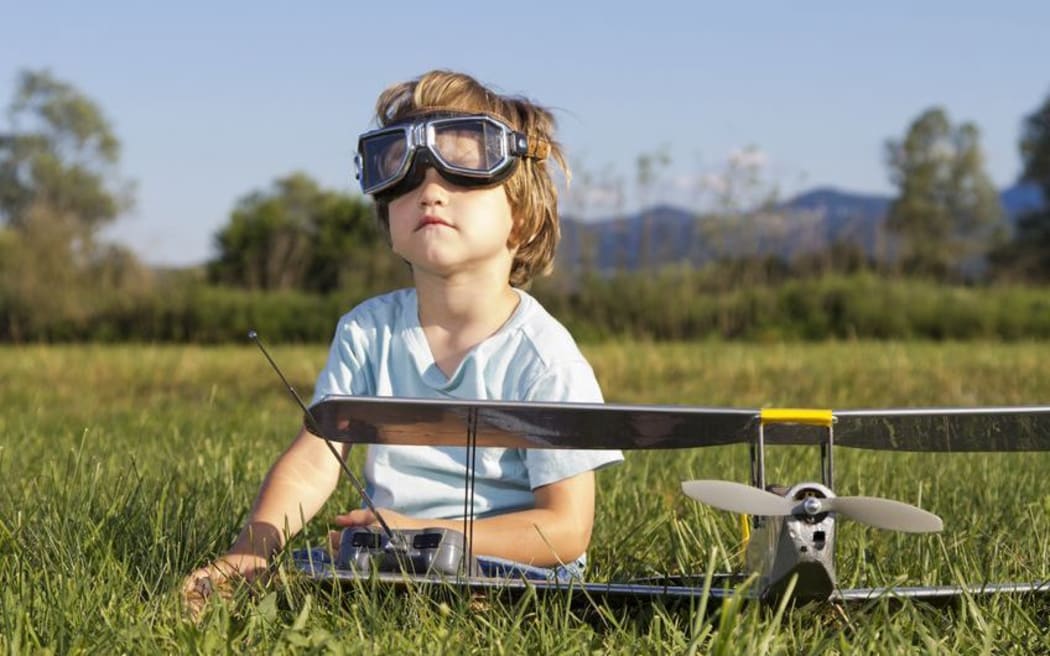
384,157
473,146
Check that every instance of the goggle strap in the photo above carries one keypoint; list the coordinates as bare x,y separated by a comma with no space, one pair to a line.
533,148
538,148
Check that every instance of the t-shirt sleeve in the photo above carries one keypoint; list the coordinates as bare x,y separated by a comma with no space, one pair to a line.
573,382
346,371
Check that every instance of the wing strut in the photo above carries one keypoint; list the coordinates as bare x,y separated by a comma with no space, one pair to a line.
470,477
811,417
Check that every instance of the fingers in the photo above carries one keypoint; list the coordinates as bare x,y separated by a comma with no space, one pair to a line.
217,580
200,586
360,518
354,518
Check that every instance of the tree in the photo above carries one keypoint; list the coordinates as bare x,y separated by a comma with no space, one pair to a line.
348,250
58,186
265,245
741,215
947,210
1028,253
60,153
297,235
1035,147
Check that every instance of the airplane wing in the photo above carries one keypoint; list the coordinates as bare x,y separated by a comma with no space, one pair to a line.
433,422
940,594
387,420
678,589
1014,428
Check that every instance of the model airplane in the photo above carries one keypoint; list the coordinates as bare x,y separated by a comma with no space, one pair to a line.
792,533
790,546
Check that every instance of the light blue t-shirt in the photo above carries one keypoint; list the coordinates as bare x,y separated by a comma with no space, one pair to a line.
379,349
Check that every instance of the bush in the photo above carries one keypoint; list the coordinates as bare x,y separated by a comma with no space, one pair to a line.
673,304
676,305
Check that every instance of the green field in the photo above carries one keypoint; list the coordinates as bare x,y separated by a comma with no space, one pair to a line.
123,468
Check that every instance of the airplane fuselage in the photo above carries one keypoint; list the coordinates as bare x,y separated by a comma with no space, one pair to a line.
800,545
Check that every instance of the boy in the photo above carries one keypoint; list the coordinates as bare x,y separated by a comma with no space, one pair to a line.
462,189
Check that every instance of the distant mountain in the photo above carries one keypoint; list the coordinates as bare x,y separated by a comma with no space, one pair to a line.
810,221
843,206
657,235
840,208
1019,199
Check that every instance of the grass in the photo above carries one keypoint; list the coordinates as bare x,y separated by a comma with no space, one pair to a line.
123,468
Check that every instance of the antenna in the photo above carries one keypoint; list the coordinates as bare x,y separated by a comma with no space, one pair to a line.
316,430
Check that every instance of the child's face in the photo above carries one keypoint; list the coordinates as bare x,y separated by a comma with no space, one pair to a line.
445,230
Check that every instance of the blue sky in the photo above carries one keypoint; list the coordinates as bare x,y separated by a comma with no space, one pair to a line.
214,100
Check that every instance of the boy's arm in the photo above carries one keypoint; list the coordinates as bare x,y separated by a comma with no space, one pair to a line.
555,531
295,488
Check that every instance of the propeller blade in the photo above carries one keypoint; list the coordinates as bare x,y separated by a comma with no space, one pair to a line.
738,498
884,513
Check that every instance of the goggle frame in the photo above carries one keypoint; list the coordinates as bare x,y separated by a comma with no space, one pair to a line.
421,134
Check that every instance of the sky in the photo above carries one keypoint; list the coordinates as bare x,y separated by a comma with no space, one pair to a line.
212,101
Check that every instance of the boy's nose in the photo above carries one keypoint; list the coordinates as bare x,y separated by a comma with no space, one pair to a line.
432,191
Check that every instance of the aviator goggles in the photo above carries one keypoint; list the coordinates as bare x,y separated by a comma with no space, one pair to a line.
467,150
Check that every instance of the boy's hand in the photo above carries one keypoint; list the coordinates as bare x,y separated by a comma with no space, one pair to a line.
218,578
364,517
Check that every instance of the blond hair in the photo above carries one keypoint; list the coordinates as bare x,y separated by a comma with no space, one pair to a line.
531,192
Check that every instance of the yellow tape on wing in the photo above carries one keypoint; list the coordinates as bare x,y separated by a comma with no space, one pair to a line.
745,534
813,417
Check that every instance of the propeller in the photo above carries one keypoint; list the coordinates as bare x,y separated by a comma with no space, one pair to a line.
873,511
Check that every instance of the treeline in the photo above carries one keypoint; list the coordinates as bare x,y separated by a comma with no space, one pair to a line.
674,304
294,256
